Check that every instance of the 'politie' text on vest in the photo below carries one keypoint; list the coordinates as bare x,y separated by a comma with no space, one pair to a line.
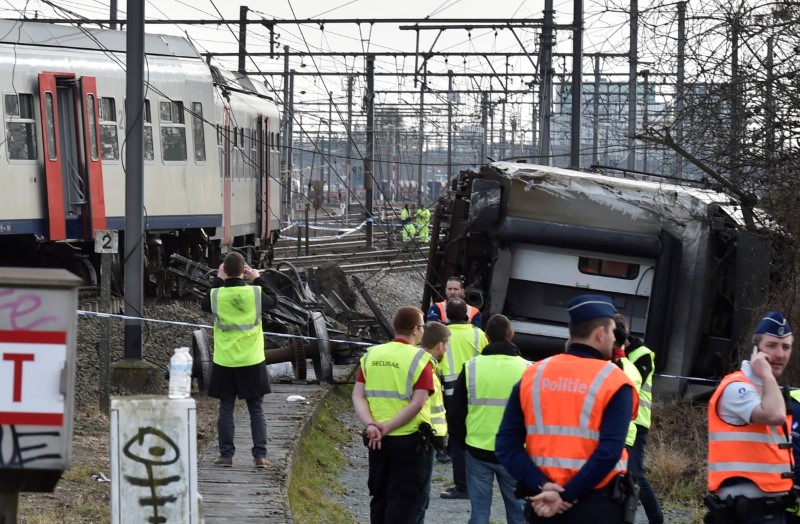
564,384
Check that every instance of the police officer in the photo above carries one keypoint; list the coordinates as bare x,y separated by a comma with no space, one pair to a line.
239,369
564,428
749,448
389,397
454,288
466,342
479,401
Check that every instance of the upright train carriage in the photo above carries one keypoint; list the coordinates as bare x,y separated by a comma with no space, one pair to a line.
211,158
675,259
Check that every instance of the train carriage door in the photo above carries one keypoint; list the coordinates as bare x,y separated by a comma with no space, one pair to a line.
68,186
93,161
56,206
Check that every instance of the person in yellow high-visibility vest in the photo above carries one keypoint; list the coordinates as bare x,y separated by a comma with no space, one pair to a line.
389,397
423,220
478,404
239,368
434,341
466,342
408,232
643,359
627,367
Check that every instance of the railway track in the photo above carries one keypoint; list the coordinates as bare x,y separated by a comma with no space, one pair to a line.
350,252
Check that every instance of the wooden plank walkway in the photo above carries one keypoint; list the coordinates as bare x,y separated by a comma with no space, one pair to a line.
242,493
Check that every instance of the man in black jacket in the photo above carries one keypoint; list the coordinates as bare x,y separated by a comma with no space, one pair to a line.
478,403
239,369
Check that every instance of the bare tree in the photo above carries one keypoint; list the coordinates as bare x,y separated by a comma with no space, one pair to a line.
739,126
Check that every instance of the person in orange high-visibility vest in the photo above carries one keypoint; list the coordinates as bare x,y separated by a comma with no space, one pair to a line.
749,441
454,288
563,432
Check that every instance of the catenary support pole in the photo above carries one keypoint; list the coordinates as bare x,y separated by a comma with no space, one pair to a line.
577,85
368,154
134,181
632,66
421,140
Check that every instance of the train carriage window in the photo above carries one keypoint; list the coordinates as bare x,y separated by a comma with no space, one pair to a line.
173,131
608,268
148,132
253,153
20,127
91,117
50,122
236,154
198,132
108,129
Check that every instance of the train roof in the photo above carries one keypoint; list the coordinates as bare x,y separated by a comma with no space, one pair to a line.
32,33
665,199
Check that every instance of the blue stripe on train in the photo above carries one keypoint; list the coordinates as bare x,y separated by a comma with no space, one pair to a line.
74,225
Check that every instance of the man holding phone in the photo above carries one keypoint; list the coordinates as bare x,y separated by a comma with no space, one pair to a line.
749,444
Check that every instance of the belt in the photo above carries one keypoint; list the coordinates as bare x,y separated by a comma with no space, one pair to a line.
744,507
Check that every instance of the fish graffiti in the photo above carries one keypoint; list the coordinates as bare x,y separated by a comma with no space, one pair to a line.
153,449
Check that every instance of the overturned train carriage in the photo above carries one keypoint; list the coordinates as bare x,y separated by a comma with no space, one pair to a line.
676,260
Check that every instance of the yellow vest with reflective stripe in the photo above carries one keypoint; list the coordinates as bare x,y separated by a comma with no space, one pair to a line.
466,342
646,394
390,372
436,404
633,373
238,339
489,379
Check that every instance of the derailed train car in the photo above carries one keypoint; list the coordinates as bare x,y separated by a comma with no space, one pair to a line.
676,260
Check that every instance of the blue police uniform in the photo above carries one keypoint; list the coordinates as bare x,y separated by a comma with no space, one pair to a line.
595,505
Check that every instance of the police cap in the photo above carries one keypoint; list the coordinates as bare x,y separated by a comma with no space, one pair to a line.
588,307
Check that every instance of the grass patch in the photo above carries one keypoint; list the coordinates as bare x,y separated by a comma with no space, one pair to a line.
676,456
315,472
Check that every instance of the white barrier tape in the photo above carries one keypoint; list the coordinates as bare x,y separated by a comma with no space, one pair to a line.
693,379
285,335
206,326
314,225
330,237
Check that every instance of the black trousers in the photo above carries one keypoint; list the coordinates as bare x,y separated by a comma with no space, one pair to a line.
396,479
594,508
457,454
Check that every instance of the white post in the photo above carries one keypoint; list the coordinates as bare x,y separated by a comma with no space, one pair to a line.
154,460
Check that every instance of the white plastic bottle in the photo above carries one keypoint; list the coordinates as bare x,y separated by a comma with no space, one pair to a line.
180,374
